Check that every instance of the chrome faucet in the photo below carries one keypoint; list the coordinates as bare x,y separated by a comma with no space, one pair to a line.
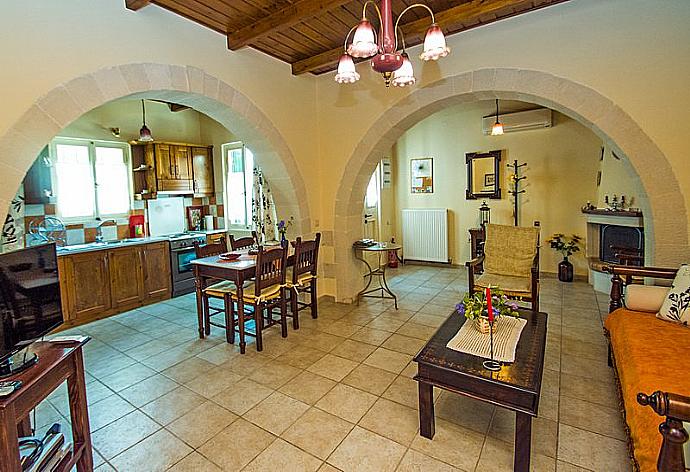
99,230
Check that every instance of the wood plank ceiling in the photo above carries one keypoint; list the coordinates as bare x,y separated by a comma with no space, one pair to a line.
309,34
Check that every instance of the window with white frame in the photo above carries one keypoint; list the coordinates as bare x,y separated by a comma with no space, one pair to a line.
238,166
91,178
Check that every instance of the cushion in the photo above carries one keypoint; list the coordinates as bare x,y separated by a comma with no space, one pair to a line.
510,250
645,362
248,295
509,284
647,298
219,289
675,307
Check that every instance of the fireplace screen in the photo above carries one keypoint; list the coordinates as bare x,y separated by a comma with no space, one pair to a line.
624,241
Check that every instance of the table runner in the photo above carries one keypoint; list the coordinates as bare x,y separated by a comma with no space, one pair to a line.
470,341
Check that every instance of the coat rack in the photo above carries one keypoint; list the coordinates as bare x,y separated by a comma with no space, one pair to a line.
515,191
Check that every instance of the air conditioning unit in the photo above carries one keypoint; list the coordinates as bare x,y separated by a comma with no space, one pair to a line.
520,121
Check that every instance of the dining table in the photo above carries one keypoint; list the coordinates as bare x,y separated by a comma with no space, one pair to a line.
237,271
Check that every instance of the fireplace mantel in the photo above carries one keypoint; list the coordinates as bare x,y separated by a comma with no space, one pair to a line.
602,216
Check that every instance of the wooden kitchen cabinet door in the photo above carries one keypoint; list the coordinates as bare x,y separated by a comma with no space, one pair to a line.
202,162
165,168
126,277
156,266
182,162
88,284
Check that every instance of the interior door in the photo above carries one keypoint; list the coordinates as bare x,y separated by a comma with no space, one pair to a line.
371,211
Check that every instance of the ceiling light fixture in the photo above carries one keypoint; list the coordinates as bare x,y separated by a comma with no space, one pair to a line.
497,128
395,66
144,132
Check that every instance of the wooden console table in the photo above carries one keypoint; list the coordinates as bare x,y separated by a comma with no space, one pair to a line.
56,363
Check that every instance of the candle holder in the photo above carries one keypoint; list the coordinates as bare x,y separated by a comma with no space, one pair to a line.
491,364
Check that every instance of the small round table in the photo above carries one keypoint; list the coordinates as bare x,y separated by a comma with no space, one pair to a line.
379,272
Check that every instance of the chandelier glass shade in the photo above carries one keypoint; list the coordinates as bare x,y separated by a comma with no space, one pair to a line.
387,59
144,132
497,128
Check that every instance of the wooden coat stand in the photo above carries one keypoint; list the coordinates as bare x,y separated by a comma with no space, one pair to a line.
515,192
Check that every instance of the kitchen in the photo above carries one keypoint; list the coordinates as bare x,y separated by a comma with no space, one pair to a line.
126,209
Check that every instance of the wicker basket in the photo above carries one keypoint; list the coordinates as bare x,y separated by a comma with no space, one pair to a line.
482,325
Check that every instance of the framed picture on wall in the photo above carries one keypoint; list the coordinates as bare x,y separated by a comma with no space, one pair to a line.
422,175
195,215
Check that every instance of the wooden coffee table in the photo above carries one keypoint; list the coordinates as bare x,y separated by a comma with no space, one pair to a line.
515,387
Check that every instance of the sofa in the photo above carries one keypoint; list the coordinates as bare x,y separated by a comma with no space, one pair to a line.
649,356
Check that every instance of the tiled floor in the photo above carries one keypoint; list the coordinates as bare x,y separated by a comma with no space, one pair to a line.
338,393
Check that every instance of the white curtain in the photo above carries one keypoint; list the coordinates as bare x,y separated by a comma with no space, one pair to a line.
264,218
13,227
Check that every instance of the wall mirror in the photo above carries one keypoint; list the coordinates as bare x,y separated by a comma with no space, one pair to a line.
483,176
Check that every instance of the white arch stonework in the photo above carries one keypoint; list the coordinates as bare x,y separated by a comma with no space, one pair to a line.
666,227
189,86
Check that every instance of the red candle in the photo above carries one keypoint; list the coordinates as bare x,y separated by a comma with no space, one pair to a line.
488,305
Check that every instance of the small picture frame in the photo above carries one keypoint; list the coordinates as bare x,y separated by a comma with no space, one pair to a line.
489,180
195,217
422,175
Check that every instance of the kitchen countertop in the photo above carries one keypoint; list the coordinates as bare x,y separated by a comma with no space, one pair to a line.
105,245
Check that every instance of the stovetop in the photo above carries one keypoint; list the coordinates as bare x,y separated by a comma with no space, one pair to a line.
180,240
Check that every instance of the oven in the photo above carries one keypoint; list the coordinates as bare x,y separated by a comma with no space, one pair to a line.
181,256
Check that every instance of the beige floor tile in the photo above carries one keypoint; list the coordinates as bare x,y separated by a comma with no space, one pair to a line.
332,367
159,452
404,390
386,322
172,405
202,423
416,330
370,379
602,393
276,413
410,370
445,445
566,467
242,396
404,344
414,461
464,411
188,370
127,377
385,359
498,456
346,402
148,390
101,413
237,445
211,383
588,368
274,374
123,433
318,432
544,432
392,420
592,451
104,468
308,387
371,336
353,350
592,417
283,456
195,462
432,321
242,364
548,406
340,328
363,450
220,354
301,356
325,467
322,341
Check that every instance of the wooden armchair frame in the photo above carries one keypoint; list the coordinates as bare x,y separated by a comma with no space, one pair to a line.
675,408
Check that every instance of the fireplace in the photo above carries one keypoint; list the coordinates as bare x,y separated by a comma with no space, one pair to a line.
626,240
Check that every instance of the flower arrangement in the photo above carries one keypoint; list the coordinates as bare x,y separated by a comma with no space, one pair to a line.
283,226
565,245
474,305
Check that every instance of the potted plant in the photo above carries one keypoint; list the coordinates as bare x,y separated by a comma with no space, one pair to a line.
566,246
283,226
474,307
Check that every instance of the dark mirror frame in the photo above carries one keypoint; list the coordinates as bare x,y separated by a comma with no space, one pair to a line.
496,193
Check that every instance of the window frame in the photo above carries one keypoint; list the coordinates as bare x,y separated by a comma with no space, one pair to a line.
248,192
92,144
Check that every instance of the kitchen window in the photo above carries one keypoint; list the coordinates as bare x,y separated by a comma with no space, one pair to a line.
91,178
238,171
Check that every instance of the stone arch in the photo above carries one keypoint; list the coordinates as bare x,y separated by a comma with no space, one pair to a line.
666,233
186,85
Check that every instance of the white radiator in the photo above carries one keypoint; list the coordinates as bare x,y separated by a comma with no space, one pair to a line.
425,234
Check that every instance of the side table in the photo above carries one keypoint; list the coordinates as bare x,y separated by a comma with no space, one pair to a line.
380,249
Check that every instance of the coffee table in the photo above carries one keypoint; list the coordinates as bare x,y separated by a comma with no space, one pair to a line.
515,387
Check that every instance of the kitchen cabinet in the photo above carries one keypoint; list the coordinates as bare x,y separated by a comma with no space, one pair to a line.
202,162
101,283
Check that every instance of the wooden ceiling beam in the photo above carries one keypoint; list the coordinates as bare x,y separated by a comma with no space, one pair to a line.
135,5
280,20
470,12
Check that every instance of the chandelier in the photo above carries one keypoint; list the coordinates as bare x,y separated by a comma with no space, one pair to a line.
393,64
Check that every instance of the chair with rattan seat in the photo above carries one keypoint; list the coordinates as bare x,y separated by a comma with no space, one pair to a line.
216,289
303,278
264,294
247,242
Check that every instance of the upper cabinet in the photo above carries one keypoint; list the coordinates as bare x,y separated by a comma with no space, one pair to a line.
172,167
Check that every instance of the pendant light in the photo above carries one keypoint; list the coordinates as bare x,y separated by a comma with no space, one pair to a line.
497,128
144,132
347,73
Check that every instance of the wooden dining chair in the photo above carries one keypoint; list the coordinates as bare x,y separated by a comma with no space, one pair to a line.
303,278
266,293
244,243
218,289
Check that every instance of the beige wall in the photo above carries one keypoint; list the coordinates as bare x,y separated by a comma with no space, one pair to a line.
561,175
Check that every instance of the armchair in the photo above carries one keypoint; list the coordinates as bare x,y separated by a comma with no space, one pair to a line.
511,262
